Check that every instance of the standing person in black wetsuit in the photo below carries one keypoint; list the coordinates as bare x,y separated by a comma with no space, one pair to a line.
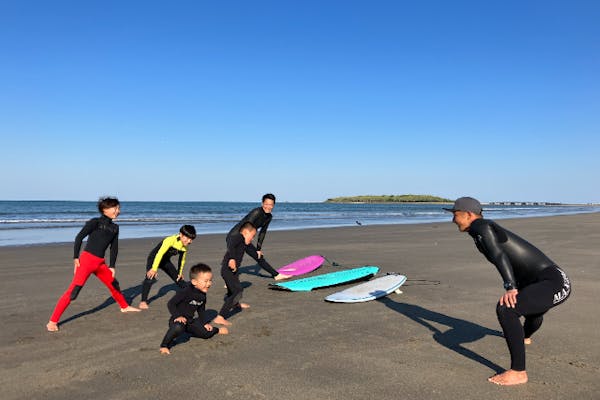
260,217
236,246
185,304
102,232
160,257
532,281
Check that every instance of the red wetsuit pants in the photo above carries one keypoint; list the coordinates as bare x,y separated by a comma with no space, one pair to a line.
88,264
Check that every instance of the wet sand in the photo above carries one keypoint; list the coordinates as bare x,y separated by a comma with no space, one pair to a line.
438,340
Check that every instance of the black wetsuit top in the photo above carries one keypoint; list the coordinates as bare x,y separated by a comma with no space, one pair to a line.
102,233
260,219
187,302
236,246
518,261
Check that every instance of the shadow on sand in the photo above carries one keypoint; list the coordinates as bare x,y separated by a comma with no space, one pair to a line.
459,332
130,294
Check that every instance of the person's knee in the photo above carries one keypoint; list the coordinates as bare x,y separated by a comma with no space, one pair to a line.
115,284
181,283
503,312
179,328
75,292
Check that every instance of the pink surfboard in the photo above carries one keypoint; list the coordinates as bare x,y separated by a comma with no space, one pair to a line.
302,266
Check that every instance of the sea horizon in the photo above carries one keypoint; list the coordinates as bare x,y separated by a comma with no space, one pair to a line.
28,222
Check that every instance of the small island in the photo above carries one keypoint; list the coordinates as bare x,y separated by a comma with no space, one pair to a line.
403,198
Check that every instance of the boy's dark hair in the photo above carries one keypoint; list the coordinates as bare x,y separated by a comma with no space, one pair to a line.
188,230
107,202
198,269
269,196
247,225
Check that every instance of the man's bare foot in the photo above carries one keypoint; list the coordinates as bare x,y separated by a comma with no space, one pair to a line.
510,377
223,331
165,350
244,306
527,341
280,277
52,326
221,321
143,305
130,309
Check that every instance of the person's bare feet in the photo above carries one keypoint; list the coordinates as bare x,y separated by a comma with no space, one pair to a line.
165,350
223,331
130,309
244,306
280,277
527,341
221,321
52,326
143,305
510,377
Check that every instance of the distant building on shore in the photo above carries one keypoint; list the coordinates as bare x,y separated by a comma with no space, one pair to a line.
523,203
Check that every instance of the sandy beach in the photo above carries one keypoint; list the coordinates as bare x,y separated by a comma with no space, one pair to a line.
438,340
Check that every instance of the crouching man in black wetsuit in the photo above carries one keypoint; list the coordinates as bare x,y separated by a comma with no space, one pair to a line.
260,217
532,281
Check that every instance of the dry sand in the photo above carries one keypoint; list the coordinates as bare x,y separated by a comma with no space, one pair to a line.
434,341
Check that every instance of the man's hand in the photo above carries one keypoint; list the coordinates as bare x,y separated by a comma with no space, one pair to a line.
75,265
232,265
182,320
113,272
260,253
208,327
509,299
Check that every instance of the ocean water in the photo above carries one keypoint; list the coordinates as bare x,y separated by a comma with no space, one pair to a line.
38,222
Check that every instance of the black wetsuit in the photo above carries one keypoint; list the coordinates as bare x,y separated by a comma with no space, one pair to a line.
235,250
186,303
261,220
541,284
102,232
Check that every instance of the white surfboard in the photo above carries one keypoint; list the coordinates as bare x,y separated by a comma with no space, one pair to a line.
370,290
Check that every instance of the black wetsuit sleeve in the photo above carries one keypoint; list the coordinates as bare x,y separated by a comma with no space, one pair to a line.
86,230
262,234
489,241
114,249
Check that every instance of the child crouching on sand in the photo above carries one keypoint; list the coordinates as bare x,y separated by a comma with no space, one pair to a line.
185,304
160,257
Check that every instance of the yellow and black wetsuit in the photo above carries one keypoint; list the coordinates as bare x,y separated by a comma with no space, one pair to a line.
160,257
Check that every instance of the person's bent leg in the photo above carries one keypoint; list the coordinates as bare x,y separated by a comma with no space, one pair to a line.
197,329
173,273
252,252
234,294
106,277
531,325
175,329
82,273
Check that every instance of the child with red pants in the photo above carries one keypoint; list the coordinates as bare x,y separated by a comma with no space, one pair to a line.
102,232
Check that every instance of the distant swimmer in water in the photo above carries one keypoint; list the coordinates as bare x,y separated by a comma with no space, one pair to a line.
533,283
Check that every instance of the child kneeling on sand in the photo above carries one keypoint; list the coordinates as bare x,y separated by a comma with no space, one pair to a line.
185,304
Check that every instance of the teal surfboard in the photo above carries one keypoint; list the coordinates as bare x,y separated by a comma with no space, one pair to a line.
326,280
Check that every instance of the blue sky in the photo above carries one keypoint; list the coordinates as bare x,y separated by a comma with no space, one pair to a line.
206,100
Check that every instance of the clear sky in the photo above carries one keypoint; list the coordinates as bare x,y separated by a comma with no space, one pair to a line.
227,100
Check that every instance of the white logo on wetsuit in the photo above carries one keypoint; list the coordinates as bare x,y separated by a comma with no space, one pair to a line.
565,291
195,303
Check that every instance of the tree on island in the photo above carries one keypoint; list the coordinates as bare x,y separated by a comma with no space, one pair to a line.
403,198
